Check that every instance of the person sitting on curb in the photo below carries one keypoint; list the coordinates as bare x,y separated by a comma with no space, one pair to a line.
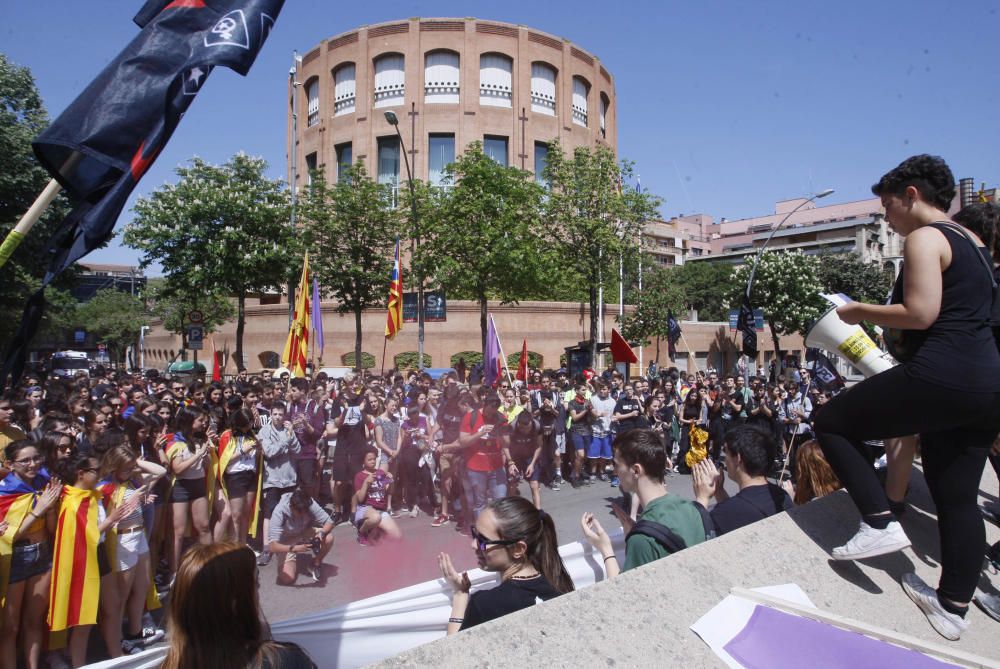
667,523
748,454
293,533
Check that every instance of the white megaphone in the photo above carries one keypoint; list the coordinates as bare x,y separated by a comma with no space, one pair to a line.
851,341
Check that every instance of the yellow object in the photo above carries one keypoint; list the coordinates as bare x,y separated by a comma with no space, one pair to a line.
699,447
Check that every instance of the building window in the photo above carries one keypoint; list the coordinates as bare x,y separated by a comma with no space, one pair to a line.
495,80
605,103
345,156
441,74
390,80
440,154
580,91
496,148
312,96
388,165
310,167
543,89
343,90
541,160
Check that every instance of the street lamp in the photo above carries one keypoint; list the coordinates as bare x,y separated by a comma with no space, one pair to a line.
393,120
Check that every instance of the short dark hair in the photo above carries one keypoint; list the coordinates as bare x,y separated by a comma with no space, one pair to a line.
754,445
928,174
299,383
644,447
983,219
300,499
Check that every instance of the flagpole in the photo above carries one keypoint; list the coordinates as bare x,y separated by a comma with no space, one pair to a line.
502,355
23,227
385,345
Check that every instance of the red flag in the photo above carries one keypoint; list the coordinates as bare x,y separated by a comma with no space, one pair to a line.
216,363
522,363
620,350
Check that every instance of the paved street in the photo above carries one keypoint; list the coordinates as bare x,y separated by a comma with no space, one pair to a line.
355,572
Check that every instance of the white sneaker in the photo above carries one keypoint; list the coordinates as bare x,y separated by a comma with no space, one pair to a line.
869,542
947,624
413,512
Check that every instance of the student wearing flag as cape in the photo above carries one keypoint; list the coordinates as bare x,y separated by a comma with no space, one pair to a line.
126,478
83,586
28,502
239,473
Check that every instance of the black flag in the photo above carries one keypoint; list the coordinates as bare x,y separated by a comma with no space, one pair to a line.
746,324
826,375
673,334
107,138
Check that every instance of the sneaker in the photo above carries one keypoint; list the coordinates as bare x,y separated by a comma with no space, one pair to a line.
394,513
554,486
576,483
364,540
948,625
558,478
440,520
603,477
151,635
313,572
264,559
869,542
589,479
615,482
990,604
54,659
131,647
414,512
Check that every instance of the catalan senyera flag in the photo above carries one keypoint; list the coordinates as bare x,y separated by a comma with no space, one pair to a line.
76,579
394,319
296,352
229,445
17,498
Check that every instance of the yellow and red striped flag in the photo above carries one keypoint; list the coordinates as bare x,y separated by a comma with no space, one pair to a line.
76,579
296,351
394,319
16,500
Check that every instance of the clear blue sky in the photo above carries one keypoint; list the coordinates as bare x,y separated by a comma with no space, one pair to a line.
725,107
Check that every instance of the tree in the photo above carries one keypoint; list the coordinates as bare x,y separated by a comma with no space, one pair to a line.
484,240
173,306
846,273
786,287
218,229
22,118
115,318
350,230
705,285
660,295
594,218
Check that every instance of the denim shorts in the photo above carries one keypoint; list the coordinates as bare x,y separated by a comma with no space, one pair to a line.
30,560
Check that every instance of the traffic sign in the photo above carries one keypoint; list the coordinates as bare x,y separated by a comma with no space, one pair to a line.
196,317
196,337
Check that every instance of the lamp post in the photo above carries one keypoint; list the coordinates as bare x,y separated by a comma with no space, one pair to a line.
393,120
293,85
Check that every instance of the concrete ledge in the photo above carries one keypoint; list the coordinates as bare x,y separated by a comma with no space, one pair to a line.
642,618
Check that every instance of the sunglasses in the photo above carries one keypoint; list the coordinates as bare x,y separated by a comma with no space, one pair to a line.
482,543
92,470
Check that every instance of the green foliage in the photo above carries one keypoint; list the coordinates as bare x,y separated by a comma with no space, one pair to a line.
704,285
22,179
409,359
660,294
350,231
471,358
846,273
114,318
786,287
534,361
218,229
593,219
173,308
367,360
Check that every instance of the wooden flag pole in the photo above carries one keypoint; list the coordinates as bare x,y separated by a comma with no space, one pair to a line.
385,344
502,355
23,227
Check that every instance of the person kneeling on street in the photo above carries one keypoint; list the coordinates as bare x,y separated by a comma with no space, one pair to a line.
372,498
293,533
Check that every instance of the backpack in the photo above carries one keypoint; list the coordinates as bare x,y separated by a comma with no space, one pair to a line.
666,537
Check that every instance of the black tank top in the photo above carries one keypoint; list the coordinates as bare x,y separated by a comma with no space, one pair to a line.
959,352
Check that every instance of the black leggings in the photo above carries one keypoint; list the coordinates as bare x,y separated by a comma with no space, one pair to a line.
956,431
415,479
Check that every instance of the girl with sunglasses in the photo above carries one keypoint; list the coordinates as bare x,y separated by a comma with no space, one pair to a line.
519,542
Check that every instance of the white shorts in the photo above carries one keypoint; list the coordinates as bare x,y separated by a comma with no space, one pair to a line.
561,443
359,514
131,547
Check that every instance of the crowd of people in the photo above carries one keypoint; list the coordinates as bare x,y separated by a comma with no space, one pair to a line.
115,487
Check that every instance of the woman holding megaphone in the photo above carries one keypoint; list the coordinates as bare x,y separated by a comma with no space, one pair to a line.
947,389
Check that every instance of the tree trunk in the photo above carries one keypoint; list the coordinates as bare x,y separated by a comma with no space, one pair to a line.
483,325
241,321
357,340
658,351
593,326
777,350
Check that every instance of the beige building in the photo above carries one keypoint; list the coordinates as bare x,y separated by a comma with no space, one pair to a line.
450,82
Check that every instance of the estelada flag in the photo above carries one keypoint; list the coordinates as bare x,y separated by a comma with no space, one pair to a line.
17,498
76,579
620,350
522,363
394,317
106,139
296,353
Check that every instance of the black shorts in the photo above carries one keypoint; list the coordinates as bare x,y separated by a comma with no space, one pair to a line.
188,490
271,498
346,464
241,483
29,560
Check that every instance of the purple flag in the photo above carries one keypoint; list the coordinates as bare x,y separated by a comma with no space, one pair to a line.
491,359
317,318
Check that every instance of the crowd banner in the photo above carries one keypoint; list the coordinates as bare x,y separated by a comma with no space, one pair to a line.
379,627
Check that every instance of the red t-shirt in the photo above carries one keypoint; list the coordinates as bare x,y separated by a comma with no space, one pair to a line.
377,495
486,455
